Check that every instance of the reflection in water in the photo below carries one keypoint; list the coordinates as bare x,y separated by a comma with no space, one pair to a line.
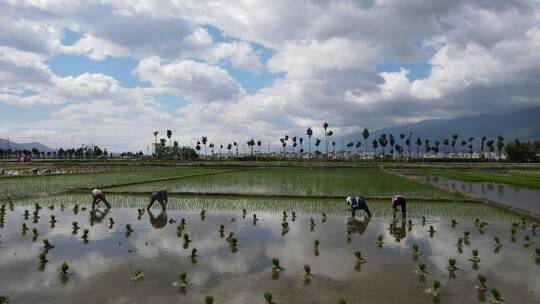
100,271
160,221
526,199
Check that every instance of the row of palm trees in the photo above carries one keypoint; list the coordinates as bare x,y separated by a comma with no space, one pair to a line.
386,146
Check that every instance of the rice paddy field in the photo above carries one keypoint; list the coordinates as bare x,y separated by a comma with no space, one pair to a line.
259,236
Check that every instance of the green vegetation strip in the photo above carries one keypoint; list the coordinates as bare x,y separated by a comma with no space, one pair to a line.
528,179
32,185
298,182
380,208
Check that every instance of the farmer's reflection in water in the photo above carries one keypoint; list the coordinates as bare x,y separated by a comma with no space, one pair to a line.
97,215
397,229
160,220
358,226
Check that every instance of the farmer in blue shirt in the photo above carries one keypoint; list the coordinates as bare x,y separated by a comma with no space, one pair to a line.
357,203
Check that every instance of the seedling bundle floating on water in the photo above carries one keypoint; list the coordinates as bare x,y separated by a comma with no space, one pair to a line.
182,280
474,258
307,272
452,265
495,297
421,269
137,275
433,291
415,250
528,241
63,273
268,297
431,231
480,283
454,223
47,245
275,265
209,300
359,258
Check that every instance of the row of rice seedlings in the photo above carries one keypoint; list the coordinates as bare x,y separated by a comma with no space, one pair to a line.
298,182
25,185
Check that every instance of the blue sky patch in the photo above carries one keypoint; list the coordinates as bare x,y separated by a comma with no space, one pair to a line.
417,70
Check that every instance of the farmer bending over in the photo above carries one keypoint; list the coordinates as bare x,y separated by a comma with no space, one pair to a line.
99,196
398,200
356,203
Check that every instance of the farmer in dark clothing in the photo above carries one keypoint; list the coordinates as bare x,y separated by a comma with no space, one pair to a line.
398,200
357,203
159,221
160,196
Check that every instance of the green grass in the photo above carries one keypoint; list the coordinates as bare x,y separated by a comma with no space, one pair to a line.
381,208
316,182
528,179
29,185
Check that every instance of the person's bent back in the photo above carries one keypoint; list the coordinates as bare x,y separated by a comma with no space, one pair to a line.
357,203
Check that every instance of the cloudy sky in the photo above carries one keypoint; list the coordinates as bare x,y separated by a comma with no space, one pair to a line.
112,72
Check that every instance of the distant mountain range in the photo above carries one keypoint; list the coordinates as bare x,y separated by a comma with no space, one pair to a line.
25,146
524,124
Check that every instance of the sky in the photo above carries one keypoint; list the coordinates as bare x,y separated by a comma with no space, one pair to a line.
112,72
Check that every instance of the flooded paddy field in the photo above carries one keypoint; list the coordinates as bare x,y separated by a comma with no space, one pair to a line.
238,268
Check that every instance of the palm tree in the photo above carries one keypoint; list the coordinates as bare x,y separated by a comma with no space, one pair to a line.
437,144
392,142
155,135
204,139
470,141
500,145
309,133
446,142
463,144
236,147
483,142
489,144
383,142
259,144
317,143
365,135
454,141
418,144
333,148
301,140
169,134
229,147
375,146
401,137
357,146
251,144
294,144
325,126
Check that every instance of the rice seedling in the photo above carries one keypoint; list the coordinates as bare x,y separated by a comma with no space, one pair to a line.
495,297
466,235
35,232
275,265
137,275
433,291
421,269
409,225
533,228
454,223
129,230
423,220
307,272
323,217
497,242
53,220
186,238
342,301
536,253
182,280
24,228
209,300
194,253
312,224
62,207
284,215
85,235
480,283
415,250
255,219
452,265
229,237
47,245
359,258
233,244
4,299
380,241
232,219
527,241
64,267
284,228
111,223
26,214
431,231
474,258
244,212
293,214
203,214
268,297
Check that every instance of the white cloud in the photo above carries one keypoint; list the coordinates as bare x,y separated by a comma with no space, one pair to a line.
194,81
239,54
